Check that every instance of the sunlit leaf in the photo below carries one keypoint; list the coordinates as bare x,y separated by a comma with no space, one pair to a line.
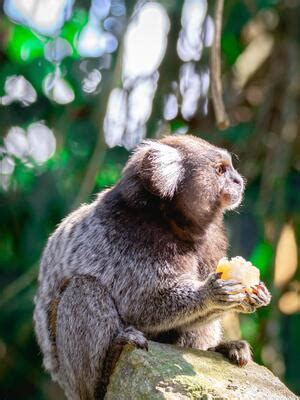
249,327
286,260
178,126
23,46
231,47
108,176
289,302
262,257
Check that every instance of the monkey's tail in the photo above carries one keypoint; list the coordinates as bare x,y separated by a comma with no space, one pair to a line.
109,364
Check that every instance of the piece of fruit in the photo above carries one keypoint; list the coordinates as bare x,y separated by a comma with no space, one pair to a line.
240,270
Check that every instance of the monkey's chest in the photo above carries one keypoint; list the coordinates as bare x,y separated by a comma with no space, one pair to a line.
204,270
207,263
197,265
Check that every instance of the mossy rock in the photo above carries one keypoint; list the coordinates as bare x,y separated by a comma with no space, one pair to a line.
169,372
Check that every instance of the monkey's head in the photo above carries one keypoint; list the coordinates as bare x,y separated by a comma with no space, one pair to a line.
186,172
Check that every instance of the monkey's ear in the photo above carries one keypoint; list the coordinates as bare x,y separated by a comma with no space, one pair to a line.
161,169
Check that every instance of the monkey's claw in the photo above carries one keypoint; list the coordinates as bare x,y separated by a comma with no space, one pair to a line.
259,297
130,335
237,351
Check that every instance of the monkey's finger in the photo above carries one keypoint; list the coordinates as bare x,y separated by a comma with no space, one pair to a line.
246,307
212,279
262,293
263,297
255,300
230,282
262,288
214,276
238,297
230,289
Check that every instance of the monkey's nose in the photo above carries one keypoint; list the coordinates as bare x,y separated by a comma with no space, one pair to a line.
237,179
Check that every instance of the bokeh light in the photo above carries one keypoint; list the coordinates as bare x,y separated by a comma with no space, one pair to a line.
286,259
41,141
170,107
145,42
57,49
289,302
144,48
7,165
197,30
91,82
18,89
34,146
16,142
94,41
43,16
115,118
56,88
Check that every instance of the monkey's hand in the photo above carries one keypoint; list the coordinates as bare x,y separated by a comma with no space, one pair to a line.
225,294
259,297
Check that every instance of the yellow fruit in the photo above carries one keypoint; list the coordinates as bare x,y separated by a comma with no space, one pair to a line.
239,270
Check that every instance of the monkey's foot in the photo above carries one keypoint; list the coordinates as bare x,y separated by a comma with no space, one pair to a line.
237,351
130,335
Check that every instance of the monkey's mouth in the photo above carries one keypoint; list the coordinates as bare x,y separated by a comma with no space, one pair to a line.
231,200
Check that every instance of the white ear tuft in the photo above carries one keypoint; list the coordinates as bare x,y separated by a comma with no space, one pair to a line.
162,169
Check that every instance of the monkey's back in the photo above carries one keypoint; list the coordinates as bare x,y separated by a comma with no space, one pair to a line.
77,247
123,249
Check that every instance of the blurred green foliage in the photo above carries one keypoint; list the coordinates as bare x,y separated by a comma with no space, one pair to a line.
39,196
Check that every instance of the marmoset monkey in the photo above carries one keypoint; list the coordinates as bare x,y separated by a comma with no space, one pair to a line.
138,263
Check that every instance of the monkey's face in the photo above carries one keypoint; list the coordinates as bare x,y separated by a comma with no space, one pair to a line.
195,176
211,180
230,183
206,178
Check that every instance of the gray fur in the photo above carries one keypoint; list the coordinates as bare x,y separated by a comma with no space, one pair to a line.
138,262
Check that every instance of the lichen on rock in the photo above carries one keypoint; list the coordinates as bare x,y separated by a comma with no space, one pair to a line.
168,372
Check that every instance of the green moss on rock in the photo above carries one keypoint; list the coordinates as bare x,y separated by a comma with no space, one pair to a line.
169,372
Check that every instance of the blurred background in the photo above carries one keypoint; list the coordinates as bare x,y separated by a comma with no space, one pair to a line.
82,82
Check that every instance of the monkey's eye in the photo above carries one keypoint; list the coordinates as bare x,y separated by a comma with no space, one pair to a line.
220,169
